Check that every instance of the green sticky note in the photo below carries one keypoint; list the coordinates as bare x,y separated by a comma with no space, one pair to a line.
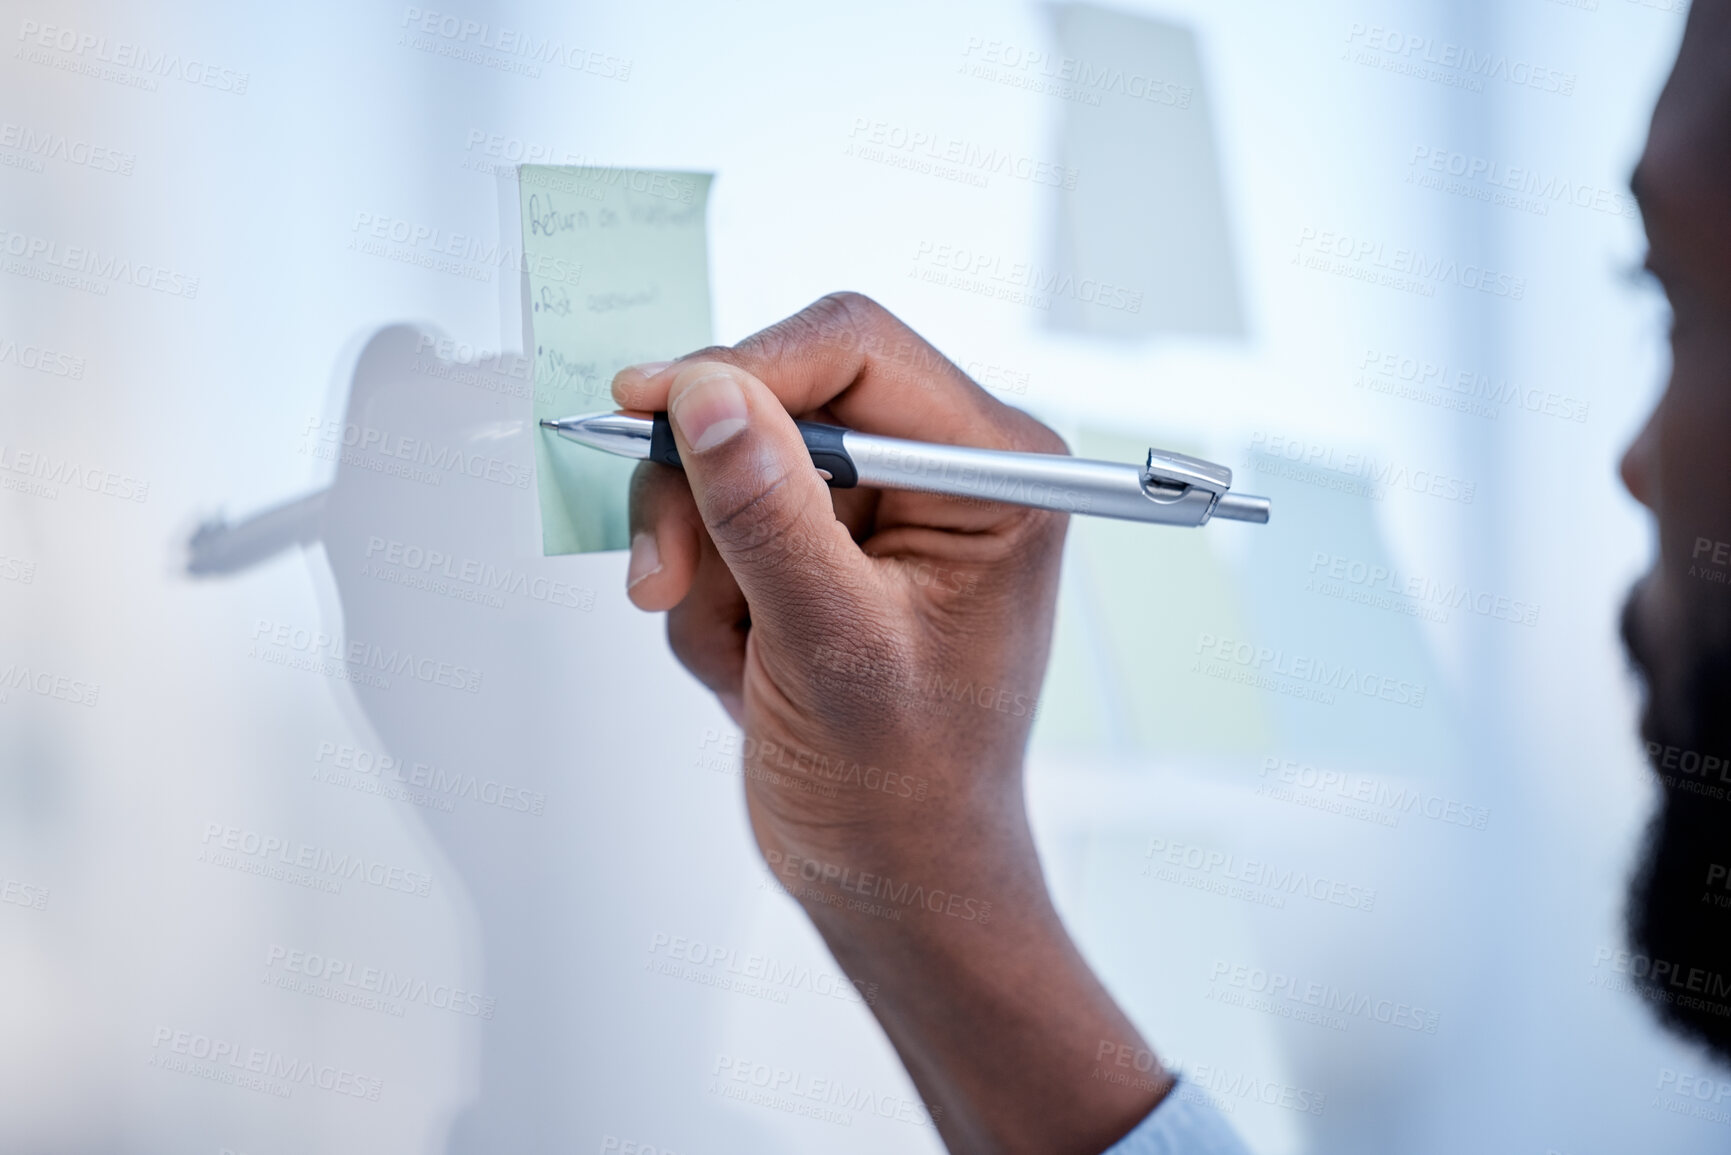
618,268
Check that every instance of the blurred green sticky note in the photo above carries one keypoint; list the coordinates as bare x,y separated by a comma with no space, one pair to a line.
618,269
1134,603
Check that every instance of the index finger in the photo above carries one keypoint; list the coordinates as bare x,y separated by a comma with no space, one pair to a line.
848,354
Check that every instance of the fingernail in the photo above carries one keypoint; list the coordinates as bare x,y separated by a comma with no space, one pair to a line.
709,411
632,375
645,559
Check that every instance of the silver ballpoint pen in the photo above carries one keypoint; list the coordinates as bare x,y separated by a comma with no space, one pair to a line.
1167,489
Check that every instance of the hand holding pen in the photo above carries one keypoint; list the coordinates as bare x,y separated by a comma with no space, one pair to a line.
883,651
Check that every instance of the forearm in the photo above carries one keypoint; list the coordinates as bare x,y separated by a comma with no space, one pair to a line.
995,1014
816,617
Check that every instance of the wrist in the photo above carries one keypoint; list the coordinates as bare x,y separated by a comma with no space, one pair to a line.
940,908
901,860
994,1012
856,895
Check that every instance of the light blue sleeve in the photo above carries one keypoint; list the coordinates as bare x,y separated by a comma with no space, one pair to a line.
1185,1123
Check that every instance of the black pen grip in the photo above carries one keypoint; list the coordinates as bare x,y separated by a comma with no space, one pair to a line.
823,442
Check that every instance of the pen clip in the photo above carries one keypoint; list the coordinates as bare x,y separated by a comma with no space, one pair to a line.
1169,476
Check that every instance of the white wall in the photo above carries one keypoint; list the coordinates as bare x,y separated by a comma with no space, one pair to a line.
560,916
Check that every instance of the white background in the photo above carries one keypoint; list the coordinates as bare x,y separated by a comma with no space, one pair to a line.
209,398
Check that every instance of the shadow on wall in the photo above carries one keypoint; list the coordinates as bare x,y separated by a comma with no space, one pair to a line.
460,642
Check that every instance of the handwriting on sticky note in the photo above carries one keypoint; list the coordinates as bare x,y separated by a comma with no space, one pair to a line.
618,268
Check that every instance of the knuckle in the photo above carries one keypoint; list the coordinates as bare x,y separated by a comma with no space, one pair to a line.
849,329
821,325
852,307
875,331
724,353
845,320
891,346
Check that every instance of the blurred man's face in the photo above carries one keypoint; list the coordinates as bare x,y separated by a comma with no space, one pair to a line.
1677,623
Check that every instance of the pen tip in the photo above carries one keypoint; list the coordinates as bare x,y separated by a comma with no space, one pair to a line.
546,424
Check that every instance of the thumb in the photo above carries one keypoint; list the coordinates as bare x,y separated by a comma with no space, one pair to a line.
765,507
